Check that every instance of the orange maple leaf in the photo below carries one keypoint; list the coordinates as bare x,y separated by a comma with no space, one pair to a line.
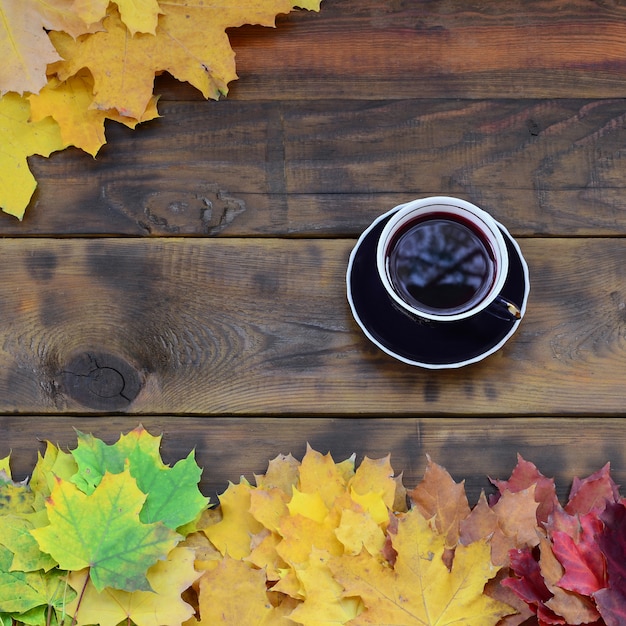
440,497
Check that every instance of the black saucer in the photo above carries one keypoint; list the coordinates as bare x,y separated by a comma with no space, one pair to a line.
431,345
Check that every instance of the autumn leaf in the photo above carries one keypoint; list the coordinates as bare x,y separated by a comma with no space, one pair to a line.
162,605
234,593
24,47
189,42
172,493
23,591
232,534
324,603
22,138
526,475
572,607
69,102
138,15
53,464
440,497
102,531
15,534
612,542
584,564
420,589
592,493
528,583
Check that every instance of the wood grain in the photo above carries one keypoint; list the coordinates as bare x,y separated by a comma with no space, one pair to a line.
327,169
395,49
227,448
262,327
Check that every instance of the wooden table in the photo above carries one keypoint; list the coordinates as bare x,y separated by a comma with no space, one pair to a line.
192,277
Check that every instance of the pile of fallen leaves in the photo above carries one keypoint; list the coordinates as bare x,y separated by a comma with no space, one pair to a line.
68,65
109,534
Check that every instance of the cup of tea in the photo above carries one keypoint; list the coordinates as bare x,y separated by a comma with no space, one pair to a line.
444,259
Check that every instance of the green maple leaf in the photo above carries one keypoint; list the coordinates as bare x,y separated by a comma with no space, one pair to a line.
53,463
23,591
172,492
103,531
15,534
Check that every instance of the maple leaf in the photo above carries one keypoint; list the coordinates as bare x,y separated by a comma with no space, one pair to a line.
53,464
440,497
21,139
140,16
69,102
234,593
23,591
102,531
16,536
420,589
585,570
525,475
282,473
592,493
190,43
611,601
528,584
24,47
572,607
323,603
377,476
232,534
172,493
509,524
320,474
163,605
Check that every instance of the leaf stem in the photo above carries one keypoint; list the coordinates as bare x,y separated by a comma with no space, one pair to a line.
80,599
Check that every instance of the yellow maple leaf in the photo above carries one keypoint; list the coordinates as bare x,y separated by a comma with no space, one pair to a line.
190,43
162,605
233,594
69,102
320,474
420,589
21,139
140,16
232,535
282,473
359,530
376,475
324,604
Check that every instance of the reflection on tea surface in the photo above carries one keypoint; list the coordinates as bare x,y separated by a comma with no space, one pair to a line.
441,266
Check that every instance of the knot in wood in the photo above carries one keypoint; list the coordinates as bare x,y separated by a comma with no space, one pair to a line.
101,381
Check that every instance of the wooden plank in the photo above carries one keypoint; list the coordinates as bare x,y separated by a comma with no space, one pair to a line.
327,169
227,448
537,48
262,327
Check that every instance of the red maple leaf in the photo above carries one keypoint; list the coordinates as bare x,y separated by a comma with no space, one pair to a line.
580,556
529,585
611,602
592,493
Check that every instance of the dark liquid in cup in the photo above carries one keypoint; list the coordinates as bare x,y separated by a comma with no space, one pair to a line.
441,264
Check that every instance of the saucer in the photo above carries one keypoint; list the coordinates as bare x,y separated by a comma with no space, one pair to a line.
430,345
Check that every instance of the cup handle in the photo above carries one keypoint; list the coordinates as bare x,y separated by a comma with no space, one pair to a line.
504,310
